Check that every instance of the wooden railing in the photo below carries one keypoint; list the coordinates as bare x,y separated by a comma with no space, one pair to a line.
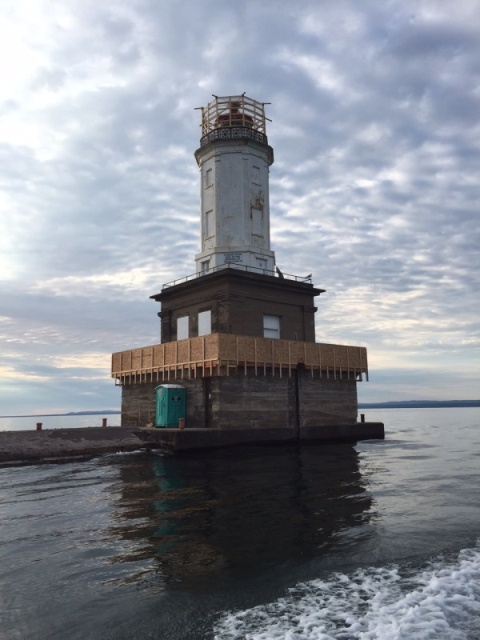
218,354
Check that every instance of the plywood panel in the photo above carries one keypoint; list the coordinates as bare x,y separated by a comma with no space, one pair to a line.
183,351
116,361
327,355
264,349
211,346
341,359
228,347
158,355
147,357
136,359
246,349
297,352
170,351
197,350
196,354
310,352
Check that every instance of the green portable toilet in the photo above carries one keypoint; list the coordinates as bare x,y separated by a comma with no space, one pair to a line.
170,405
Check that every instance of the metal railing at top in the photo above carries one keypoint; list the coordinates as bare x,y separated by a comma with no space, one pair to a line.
233,111
234,133
240,267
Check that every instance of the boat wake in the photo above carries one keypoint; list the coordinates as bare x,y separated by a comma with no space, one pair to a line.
439,601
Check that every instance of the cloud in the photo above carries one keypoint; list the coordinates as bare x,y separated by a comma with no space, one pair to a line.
374,189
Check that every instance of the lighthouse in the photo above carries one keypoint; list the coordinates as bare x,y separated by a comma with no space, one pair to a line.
237,287
234,159
238,333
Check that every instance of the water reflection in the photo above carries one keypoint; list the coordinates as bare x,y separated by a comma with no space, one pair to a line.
239,510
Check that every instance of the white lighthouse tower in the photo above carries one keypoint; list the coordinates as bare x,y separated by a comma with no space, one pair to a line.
234,159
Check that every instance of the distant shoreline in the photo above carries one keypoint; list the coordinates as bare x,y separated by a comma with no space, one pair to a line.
420,404
401,404
63,415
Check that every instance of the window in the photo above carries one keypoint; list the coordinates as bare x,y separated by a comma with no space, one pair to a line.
182,328
204,323
205,266
208,224
271,326
208,178
256,175
257,222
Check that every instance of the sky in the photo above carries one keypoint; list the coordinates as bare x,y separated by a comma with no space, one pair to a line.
375,125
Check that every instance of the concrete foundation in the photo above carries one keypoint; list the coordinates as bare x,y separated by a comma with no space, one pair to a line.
20,447
242,401
177,440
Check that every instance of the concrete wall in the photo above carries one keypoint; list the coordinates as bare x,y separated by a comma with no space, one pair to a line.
326,402
251,402
235,188
138,403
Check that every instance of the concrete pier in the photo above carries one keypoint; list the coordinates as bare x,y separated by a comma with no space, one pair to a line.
23,446
54,444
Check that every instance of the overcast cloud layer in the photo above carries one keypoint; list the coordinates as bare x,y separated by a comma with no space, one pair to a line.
375,110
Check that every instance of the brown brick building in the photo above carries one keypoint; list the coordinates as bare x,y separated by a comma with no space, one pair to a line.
240,302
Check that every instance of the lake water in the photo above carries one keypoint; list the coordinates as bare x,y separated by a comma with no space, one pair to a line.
377,541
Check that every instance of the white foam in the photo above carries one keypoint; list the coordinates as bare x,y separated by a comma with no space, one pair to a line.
439,602
136,452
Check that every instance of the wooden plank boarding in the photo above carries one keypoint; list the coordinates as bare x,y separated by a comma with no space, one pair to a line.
216,354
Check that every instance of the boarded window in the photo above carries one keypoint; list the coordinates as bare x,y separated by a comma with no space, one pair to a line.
208,178
208,224
256,175
204,323
257,222
182,328
271,326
